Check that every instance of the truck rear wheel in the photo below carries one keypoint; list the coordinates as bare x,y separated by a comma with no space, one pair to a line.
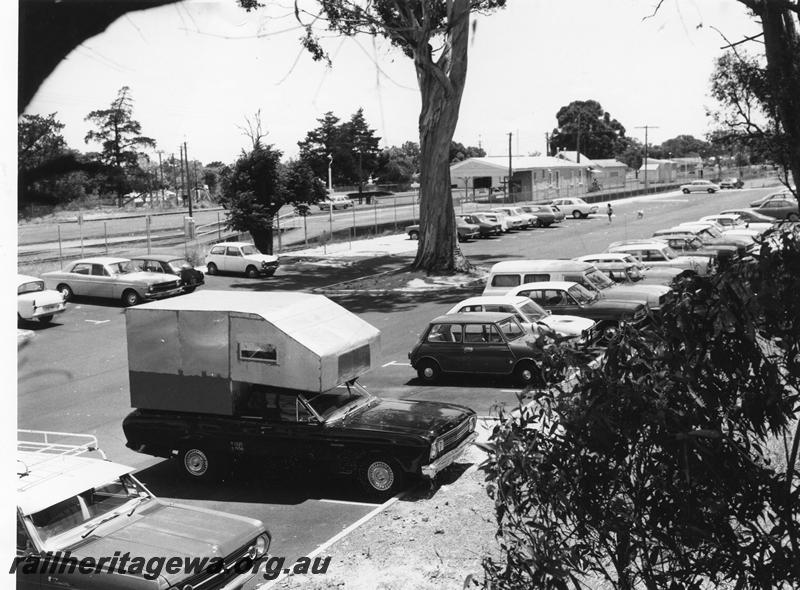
381,476
197,464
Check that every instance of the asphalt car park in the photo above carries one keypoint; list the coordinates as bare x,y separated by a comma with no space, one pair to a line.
73,372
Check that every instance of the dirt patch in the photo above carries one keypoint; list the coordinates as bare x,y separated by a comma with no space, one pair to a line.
430,541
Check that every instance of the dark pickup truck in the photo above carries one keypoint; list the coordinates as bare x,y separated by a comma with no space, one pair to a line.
342,430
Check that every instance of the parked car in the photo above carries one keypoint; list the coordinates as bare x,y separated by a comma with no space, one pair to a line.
688,244
576,207
476,343
335,202
240,257
171,264
464,231
531,316
655,253
566,297
514,220
528,218
546,215
731,182
111,278
780,208
35,302
504,275
700,186
496,217
624,268
711,233
753,218
783,195
73,508
485,226
729,221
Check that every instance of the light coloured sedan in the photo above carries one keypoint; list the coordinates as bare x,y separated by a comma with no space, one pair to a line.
529,219
513,220
624,268
111,278
35,302
574,206
531,316
700,186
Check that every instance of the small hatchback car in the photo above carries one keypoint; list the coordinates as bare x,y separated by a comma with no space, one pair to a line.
240,257
492,343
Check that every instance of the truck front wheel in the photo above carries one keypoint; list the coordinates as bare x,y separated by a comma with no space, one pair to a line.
381,476
197,464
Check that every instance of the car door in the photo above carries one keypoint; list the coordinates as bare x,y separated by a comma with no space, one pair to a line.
276,426
444,343
80,277
99,283
234,260
485,350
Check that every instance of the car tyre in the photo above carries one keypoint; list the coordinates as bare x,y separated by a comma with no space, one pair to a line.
793,217
46,319
414,235
199,465
65,291
381,476
428,371
130,298
686,191
711,191
251,272
211,268
527,373
577,214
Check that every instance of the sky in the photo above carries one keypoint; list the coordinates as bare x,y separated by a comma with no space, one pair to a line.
198,69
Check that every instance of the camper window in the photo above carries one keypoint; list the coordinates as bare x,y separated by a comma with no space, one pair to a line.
249,351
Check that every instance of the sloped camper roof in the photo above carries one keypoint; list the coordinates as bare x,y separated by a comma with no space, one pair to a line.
314,321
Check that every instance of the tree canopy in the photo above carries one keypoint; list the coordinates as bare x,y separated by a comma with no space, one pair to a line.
584,126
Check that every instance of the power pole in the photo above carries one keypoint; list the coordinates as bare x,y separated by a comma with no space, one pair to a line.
646,127
508,182
186,156
161,172
181,166
578,141
547,144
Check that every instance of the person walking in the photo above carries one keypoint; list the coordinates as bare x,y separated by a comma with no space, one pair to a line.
610,212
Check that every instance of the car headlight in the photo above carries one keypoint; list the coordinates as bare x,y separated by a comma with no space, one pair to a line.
262,544
149,288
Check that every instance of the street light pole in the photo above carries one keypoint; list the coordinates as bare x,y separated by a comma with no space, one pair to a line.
330,194
646,127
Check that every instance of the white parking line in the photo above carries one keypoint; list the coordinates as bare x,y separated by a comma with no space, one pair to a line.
390,363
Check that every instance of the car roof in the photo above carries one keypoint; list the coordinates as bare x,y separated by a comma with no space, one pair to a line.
633,244
616,255
472,318
540,265
546,285
233,244
45,479
511,299
720,216
102,260
26,279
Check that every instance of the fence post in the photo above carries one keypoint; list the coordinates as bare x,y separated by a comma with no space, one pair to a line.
354,220
395,213
375,213
280,243
219,227
305,228
60,259
147,224
105,235
80,227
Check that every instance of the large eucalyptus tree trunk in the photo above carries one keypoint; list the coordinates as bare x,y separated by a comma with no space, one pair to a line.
782,48
441,85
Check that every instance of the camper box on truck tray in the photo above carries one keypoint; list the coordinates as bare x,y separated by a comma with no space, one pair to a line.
200,352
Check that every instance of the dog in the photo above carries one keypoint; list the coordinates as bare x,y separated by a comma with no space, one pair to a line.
640,214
